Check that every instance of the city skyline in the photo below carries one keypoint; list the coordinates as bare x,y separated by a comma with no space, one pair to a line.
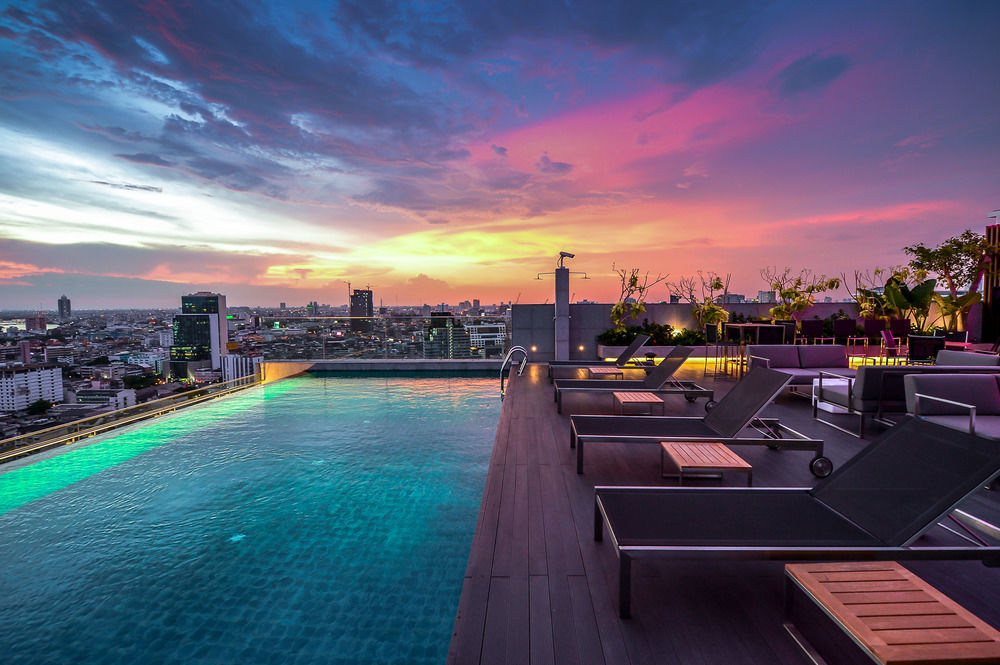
450,152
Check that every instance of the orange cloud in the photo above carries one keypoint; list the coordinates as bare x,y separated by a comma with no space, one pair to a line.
10,270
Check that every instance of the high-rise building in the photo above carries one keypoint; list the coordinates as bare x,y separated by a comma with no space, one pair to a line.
200,334
20,386
488,340
65,310
446,337
362,306
35,323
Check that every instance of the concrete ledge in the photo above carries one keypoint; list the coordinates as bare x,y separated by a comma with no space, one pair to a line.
400,365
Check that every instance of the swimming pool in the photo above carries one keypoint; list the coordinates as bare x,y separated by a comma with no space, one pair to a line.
314,520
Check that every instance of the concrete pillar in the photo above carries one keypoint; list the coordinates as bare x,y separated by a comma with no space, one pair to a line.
562,314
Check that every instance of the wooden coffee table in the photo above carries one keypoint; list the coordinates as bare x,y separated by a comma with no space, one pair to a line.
636,397
701,458
604,371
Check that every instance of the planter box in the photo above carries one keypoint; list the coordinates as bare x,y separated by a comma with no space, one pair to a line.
660,351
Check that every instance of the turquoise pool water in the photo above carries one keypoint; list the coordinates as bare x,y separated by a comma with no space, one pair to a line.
315,520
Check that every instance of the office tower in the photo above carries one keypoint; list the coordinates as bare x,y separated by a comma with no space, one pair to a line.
488,339
446,337
282,306
361,306
200,334
35,323
20,386
65,310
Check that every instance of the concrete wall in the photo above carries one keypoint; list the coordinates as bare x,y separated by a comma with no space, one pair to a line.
273,370
532,325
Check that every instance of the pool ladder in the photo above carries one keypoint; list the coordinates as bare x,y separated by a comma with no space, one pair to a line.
509,360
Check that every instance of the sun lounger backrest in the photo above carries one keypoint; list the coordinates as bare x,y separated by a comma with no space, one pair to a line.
753,392
662,372
629,352
905,481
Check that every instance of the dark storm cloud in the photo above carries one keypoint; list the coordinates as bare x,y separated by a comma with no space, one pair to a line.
810,73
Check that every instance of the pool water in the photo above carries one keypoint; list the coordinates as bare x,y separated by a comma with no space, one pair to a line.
315,520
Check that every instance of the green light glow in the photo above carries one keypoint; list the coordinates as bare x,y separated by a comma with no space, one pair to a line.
82,460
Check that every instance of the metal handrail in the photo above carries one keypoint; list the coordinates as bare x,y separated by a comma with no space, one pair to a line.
509,359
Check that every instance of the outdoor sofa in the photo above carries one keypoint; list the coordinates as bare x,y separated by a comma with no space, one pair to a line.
877,390
875,507
803,362
960,401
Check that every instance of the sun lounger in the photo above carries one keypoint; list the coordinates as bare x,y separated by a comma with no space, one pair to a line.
875,507
621,361
734,412
659,380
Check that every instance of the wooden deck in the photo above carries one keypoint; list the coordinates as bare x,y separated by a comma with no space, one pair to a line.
539,589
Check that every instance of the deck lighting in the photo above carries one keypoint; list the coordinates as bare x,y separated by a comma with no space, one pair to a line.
534,348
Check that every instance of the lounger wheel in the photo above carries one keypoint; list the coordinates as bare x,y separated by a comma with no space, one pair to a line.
710,404
821,467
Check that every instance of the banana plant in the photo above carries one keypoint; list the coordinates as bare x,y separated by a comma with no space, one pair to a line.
915,302
953,308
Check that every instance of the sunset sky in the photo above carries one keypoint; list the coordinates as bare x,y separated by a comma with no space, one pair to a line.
448,151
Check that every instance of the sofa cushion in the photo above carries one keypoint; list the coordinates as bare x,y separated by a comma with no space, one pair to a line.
978,390
965,358
822,355
800,377
778,355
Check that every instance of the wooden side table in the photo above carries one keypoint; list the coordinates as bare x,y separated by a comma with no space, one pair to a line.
701,457
604,372
636,397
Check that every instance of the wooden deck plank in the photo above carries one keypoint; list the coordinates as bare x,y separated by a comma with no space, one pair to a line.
540,630
537,547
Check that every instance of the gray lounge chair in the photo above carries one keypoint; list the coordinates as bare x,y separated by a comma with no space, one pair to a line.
659,380
623,360
734,412
875,507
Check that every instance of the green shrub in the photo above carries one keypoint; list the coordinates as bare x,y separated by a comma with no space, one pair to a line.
659,335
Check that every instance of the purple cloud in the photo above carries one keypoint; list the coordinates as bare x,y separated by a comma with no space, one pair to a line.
546,165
